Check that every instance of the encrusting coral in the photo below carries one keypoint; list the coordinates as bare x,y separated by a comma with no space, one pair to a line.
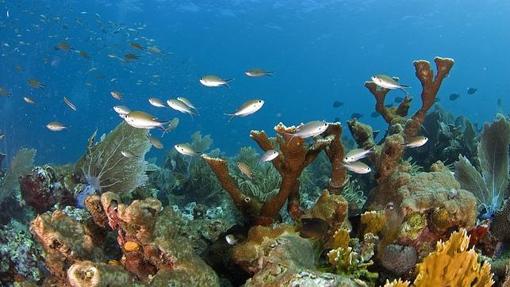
294,156
151,253
278,256
64,241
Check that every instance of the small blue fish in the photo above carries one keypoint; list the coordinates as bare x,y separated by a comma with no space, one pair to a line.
82,195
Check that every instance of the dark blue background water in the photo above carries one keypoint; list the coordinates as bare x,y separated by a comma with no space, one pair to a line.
319,51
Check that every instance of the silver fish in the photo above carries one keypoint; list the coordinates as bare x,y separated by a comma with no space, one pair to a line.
356,154
310,129
55,126
155,142
247,109
245,169
257,72
180,106
69,104
387,82
417,142
213,81
185,149
28,100
127,154
143,120
157,102
269,155
186,102
357,167
121,110
116,95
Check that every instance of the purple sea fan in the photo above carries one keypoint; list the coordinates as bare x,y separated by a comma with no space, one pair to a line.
490,186
105,166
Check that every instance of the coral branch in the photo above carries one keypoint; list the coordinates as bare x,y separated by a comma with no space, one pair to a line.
380,95
335,153
250,207
265,144
430,87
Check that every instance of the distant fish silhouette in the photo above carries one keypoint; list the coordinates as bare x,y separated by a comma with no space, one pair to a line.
453,96
356,115
471,91
337,104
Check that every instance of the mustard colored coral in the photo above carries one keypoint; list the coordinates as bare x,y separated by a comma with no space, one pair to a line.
396,283
373,221
452,264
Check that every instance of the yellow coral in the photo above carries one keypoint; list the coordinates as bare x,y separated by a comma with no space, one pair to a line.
340,238
131,246
452,264
373,221
340,257
396,283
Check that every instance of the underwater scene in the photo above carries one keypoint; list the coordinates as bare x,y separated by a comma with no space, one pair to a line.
254,143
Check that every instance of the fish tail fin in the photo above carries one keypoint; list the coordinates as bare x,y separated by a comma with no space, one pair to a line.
166,127
269,74
232,116
227,82
406,92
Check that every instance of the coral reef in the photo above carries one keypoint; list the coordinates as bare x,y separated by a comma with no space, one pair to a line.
105,166
114,219
294,156
151,248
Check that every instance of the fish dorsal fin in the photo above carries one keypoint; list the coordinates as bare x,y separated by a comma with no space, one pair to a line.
396,79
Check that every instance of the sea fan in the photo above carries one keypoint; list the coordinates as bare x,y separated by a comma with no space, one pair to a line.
21,164
117,162
489,186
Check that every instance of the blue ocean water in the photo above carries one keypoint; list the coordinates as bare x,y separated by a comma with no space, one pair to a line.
319,52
